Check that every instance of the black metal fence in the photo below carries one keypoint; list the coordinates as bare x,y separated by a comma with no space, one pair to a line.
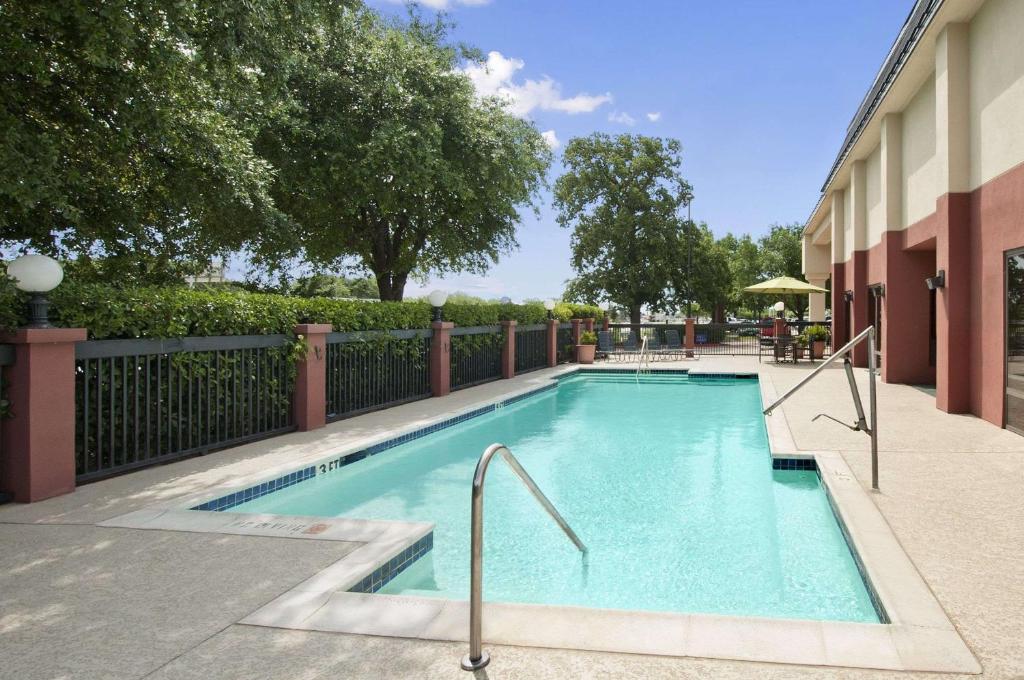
475,355
566,351
735,339
374,370
531,347
143,402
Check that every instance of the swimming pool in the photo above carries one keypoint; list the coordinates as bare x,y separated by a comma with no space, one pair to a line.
669,483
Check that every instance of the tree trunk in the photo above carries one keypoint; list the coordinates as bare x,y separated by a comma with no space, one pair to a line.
634,320
391,286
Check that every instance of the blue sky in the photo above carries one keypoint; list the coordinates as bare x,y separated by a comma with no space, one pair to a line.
759,92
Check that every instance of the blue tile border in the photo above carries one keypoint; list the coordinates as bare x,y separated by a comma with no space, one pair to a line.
794,464
253,492
876,602
386,572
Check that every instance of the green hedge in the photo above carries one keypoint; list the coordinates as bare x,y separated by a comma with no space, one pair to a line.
112,312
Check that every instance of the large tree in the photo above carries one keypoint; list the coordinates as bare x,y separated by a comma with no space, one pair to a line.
745,268
702,276
391,158
621,196
129,124
781,255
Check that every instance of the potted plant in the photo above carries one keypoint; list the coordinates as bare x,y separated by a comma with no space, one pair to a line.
817,336
588,345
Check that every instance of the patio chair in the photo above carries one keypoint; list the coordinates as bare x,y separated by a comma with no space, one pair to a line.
673,346
629,347
654,347
605,345
785,348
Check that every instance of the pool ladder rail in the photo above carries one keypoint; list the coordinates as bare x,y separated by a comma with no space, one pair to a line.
640,360
477,657
861,425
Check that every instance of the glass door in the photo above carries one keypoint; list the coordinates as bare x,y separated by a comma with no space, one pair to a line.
1015,341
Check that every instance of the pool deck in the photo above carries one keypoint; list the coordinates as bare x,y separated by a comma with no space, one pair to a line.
86,601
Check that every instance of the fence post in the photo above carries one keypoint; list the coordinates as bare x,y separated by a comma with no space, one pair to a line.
440,358
604,323
310,405
552,342
39,438
508,350
588,325
575,338
690,328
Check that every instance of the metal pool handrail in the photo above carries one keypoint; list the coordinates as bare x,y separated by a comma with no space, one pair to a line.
640,360
477,658
861,424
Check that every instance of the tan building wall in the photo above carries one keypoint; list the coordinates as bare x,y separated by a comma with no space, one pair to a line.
934,180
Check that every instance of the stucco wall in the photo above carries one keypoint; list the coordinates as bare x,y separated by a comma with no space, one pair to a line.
997,89
920,170
848,240
875,214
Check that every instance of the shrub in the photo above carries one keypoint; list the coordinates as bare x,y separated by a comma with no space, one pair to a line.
148,312
588,338
816,333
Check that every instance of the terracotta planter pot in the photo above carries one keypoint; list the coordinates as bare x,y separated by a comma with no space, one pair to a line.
585,353
818,349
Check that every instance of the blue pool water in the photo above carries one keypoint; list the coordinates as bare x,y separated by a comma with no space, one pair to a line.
668,482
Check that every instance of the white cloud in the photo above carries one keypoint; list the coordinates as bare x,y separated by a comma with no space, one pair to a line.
654,116
621,117
551,139
495,78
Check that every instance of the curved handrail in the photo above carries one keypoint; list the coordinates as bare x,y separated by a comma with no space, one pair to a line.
477,658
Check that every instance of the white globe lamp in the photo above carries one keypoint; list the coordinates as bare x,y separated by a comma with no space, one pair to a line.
780,307
550,306
437,299
37,275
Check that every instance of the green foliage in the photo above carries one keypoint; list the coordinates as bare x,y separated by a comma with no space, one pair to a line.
129,124
782,255
819,333
325,285
620,196
150,312
389,156
588,338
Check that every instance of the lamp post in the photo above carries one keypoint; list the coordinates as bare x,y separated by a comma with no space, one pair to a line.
780,307
37,275
689,261
437,299
550,306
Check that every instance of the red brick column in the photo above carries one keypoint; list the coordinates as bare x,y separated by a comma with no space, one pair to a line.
38,444
508,350
953,304
440,358
310,405
575,336
689,341
588,325
604,323
779,326
552,342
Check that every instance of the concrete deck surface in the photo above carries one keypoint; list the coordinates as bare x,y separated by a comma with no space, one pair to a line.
93,602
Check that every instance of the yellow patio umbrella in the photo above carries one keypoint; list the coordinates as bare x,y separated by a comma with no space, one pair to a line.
783,285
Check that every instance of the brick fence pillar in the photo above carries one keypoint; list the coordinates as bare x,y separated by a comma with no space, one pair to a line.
310,405
39,438
604,323
440,358
575,337
588,325
552,342
508,349
689,335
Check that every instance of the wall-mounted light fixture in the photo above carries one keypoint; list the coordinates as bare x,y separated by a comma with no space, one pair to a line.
937,281
848,296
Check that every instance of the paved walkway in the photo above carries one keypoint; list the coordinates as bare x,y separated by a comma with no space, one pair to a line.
90,602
